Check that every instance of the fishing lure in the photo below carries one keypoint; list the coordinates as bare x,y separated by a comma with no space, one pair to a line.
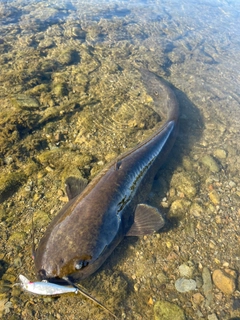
47,288
44,287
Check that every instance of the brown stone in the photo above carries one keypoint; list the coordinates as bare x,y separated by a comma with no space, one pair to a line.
197,298
225,280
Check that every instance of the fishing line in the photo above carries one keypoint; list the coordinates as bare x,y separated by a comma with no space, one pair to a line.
85,294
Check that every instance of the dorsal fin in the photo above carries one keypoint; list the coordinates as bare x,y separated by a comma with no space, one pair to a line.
74,186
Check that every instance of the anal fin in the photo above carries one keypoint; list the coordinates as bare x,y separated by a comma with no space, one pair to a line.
147,220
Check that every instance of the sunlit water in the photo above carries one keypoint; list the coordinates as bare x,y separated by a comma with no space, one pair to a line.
71,100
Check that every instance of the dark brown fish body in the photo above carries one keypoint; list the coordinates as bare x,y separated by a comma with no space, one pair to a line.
91,225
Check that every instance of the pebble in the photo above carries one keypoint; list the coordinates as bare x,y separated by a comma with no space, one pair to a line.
214,197
8,160
196,210
67,57
232,184
46,43
207,286
220,154
150,301
17,237
225,280
23,101
197,298
184,184
212,316
10,182
178,208
164,310
185,285
199,281
2,305
185,270
162,278
209,162
60,90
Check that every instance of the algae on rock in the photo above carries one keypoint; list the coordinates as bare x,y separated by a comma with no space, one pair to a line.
164,310
10,182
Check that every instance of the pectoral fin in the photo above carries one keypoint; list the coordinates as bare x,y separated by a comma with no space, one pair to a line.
147,220
74,186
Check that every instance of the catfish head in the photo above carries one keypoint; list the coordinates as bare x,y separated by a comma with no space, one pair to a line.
75,244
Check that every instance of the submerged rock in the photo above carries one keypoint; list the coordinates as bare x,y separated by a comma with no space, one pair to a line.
178,208
186,270
196,210
60,90
225,280
209,162
68,57
24,101
164,310
207,286
214,197
185,285
183,182
220,153
9,183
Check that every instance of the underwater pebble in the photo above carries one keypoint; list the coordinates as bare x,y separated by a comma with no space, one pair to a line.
196,210
199,281
232,184
3,302
162,278
209,162
164,310
46,43
225,280
8,160
60,90
207,285
17,238
185,270
183,183
185,285
23,101
5,286
187,164
178,208
212,317
67,57
220,154
10,182
41,218
214,197
197,298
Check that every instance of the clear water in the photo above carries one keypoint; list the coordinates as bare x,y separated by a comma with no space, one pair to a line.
70,89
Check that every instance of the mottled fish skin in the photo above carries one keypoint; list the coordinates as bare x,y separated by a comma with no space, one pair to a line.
92,224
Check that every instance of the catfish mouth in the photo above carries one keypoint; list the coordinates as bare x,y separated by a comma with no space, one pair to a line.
42,276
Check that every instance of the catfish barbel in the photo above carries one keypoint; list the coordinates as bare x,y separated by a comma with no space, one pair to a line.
111,206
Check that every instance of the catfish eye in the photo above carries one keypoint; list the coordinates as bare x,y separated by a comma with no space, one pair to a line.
156,93
81,264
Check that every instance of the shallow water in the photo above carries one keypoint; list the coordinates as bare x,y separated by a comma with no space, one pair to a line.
71,100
